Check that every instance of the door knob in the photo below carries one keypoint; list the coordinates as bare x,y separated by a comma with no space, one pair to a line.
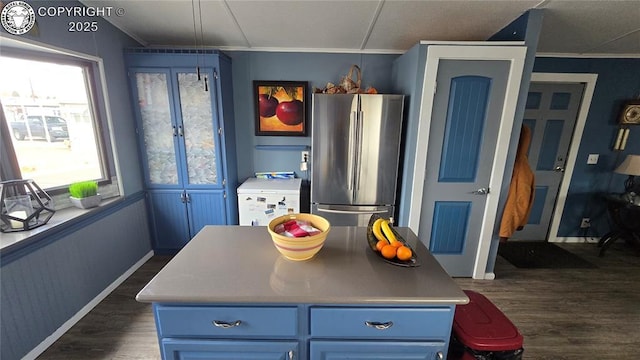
559,169
481,191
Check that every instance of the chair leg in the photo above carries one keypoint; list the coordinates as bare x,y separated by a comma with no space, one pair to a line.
605,238
610,240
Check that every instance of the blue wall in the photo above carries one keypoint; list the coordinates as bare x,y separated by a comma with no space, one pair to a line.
317,69
408,74
43,286
618,80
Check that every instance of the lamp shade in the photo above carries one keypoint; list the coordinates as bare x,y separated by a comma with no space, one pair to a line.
630,166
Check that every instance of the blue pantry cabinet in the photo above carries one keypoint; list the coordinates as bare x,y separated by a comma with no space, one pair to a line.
184,122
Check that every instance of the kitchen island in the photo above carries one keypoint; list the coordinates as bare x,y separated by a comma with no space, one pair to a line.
229,294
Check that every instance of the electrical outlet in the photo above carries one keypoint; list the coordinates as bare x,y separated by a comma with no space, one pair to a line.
585,223
304,156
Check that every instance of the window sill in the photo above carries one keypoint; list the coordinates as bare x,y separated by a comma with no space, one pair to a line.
62,219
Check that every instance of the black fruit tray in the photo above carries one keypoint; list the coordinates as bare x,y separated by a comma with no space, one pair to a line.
372,240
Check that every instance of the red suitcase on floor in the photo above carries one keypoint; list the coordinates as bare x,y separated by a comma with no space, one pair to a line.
482,332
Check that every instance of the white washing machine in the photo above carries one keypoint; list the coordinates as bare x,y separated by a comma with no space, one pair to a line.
261,200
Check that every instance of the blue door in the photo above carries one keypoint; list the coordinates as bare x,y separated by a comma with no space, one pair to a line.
467,111
551,114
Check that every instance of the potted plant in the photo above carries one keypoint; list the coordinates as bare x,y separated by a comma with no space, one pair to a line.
84,194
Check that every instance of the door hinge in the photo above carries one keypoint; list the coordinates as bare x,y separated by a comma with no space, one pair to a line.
224,194
220,131
224,182
215,74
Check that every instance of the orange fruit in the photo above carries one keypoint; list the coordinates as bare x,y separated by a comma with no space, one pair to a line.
380,244
404,253
397,244
388,251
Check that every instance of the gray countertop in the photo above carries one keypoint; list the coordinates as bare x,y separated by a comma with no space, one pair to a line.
240,264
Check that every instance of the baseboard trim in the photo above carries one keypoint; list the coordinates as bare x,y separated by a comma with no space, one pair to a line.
575,239
44,345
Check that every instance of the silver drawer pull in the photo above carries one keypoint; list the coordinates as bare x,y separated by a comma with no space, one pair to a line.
226,325
379,325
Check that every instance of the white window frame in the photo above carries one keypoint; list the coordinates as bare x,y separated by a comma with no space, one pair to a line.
111,185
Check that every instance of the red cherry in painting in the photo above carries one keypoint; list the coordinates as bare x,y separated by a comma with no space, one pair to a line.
290,112
267,105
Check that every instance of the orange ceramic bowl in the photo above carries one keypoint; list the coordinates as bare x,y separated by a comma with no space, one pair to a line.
302,248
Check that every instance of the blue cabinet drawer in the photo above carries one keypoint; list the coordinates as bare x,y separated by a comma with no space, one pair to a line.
183,321
360,349
376,323
189,349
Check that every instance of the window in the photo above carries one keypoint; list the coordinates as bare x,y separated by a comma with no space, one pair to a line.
52,120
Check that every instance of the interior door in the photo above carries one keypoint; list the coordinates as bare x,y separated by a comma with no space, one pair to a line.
551,113
465,121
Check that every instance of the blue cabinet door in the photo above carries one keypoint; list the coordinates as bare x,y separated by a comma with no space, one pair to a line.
157,127
205,208
198,129
178,215
397,350
183,349
168,219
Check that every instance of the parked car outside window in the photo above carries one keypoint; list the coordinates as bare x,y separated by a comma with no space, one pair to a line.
56,128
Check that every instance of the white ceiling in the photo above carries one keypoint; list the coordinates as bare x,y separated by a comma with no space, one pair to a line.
585,27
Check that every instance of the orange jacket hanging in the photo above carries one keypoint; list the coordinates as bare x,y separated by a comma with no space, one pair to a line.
521,191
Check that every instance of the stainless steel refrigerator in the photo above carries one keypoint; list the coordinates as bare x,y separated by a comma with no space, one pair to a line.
355,149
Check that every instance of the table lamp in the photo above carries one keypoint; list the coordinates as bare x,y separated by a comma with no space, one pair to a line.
630,166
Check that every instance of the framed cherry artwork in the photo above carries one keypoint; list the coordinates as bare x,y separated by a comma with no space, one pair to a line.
280,107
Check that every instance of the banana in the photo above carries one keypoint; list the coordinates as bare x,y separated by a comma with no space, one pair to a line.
377,231
386,230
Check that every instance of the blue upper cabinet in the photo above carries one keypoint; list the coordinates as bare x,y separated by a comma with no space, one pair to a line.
184,112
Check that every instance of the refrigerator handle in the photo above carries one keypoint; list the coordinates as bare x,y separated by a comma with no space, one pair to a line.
352,150
333,211
357,170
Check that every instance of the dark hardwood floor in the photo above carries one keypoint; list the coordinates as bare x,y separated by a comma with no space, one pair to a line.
562,313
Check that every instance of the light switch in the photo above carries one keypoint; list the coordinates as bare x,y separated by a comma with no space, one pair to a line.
592,159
